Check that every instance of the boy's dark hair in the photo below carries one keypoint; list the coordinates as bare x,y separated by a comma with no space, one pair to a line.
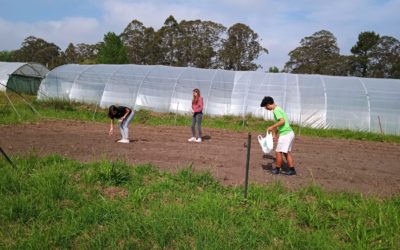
112,111
267,100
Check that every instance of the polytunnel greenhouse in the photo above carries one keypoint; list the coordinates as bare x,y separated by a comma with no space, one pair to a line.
21,77
309,100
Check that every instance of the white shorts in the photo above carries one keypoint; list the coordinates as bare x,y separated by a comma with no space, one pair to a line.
285,143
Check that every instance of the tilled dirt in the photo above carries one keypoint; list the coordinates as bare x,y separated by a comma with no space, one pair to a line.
371,168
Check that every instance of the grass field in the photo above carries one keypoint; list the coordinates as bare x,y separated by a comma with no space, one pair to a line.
53,202
58,109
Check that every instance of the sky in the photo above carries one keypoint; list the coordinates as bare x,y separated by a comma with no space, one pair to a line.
280,24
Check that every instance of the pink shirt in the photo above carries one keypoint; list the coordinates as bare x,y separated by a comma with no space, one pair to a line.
199,106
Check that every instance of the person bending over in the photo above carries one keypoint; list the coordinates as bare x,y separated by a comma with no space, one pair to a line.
124,116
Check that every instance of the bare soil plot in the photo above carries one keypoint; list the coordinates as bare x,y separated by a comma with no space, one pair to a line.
334,164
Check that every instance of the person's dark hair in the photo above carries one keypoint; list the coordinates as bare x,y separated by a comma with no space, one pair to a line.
112,111
196,100
197,91
267,100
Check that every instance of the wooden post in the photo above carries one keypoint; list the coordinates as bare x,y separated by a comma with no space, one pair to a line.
246,181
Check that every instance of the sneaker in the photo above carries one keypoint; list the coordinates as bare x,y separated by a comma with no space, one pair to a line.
291,171
192,139
198,139
276,171
123,141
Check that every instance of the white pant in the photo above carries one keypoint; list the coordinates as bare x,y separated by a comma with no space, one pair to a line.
285,143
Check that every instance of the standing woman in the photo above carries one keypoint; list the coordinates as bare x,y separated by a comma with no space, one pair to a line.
197,109
124,116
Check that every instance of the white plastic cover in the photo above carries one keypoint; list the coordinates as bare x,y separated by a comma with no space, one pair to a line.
309,100
16,68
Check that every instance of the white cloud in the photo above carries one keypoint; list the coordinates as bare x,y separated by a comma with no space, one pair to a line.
62,32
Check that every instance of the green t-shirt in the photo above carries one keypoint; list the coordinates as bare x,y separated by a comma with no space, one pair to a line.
278,114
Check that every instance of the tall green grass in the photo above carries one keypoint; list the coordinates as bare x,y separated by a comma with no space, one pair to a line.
54,202
65,109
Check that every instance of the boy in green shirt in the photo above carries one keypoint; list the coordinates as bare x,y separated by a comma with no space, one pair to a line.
285,133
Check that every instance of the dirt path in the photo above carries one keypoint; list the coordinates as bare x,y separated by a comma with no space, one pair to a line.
367,167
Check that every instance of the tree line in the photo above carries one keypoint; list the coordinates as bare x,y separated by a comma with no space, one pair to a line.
196,43
206,44
372,56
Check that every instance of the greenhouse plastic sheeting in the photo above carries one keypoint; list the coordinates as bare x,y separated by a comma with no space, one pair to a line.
309,100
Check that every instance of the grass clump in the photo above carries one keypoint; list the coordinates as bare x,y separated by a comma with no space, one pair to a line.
53,202
57,104
115,173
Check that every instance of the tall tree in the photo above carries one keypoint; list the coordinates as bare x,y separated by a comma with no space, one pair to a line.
240,48
133,38
361,52
71,54
199,43
338,65
167,40
315,55
112,51
87,52
38,50
384,58
151,50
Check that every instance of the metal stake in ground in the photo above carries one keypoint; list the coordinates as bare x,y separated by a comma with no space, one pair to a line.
246,181
380,126
7,158
23,99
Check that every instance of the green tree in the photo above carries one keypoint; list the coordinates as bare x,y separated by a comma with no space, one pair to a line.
384,58
361,53
240,49
142,44
199,43
273,69
167,40
133,37
152,54
337,65
38,50
315,55
112,51
6,56
87,53
71,54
